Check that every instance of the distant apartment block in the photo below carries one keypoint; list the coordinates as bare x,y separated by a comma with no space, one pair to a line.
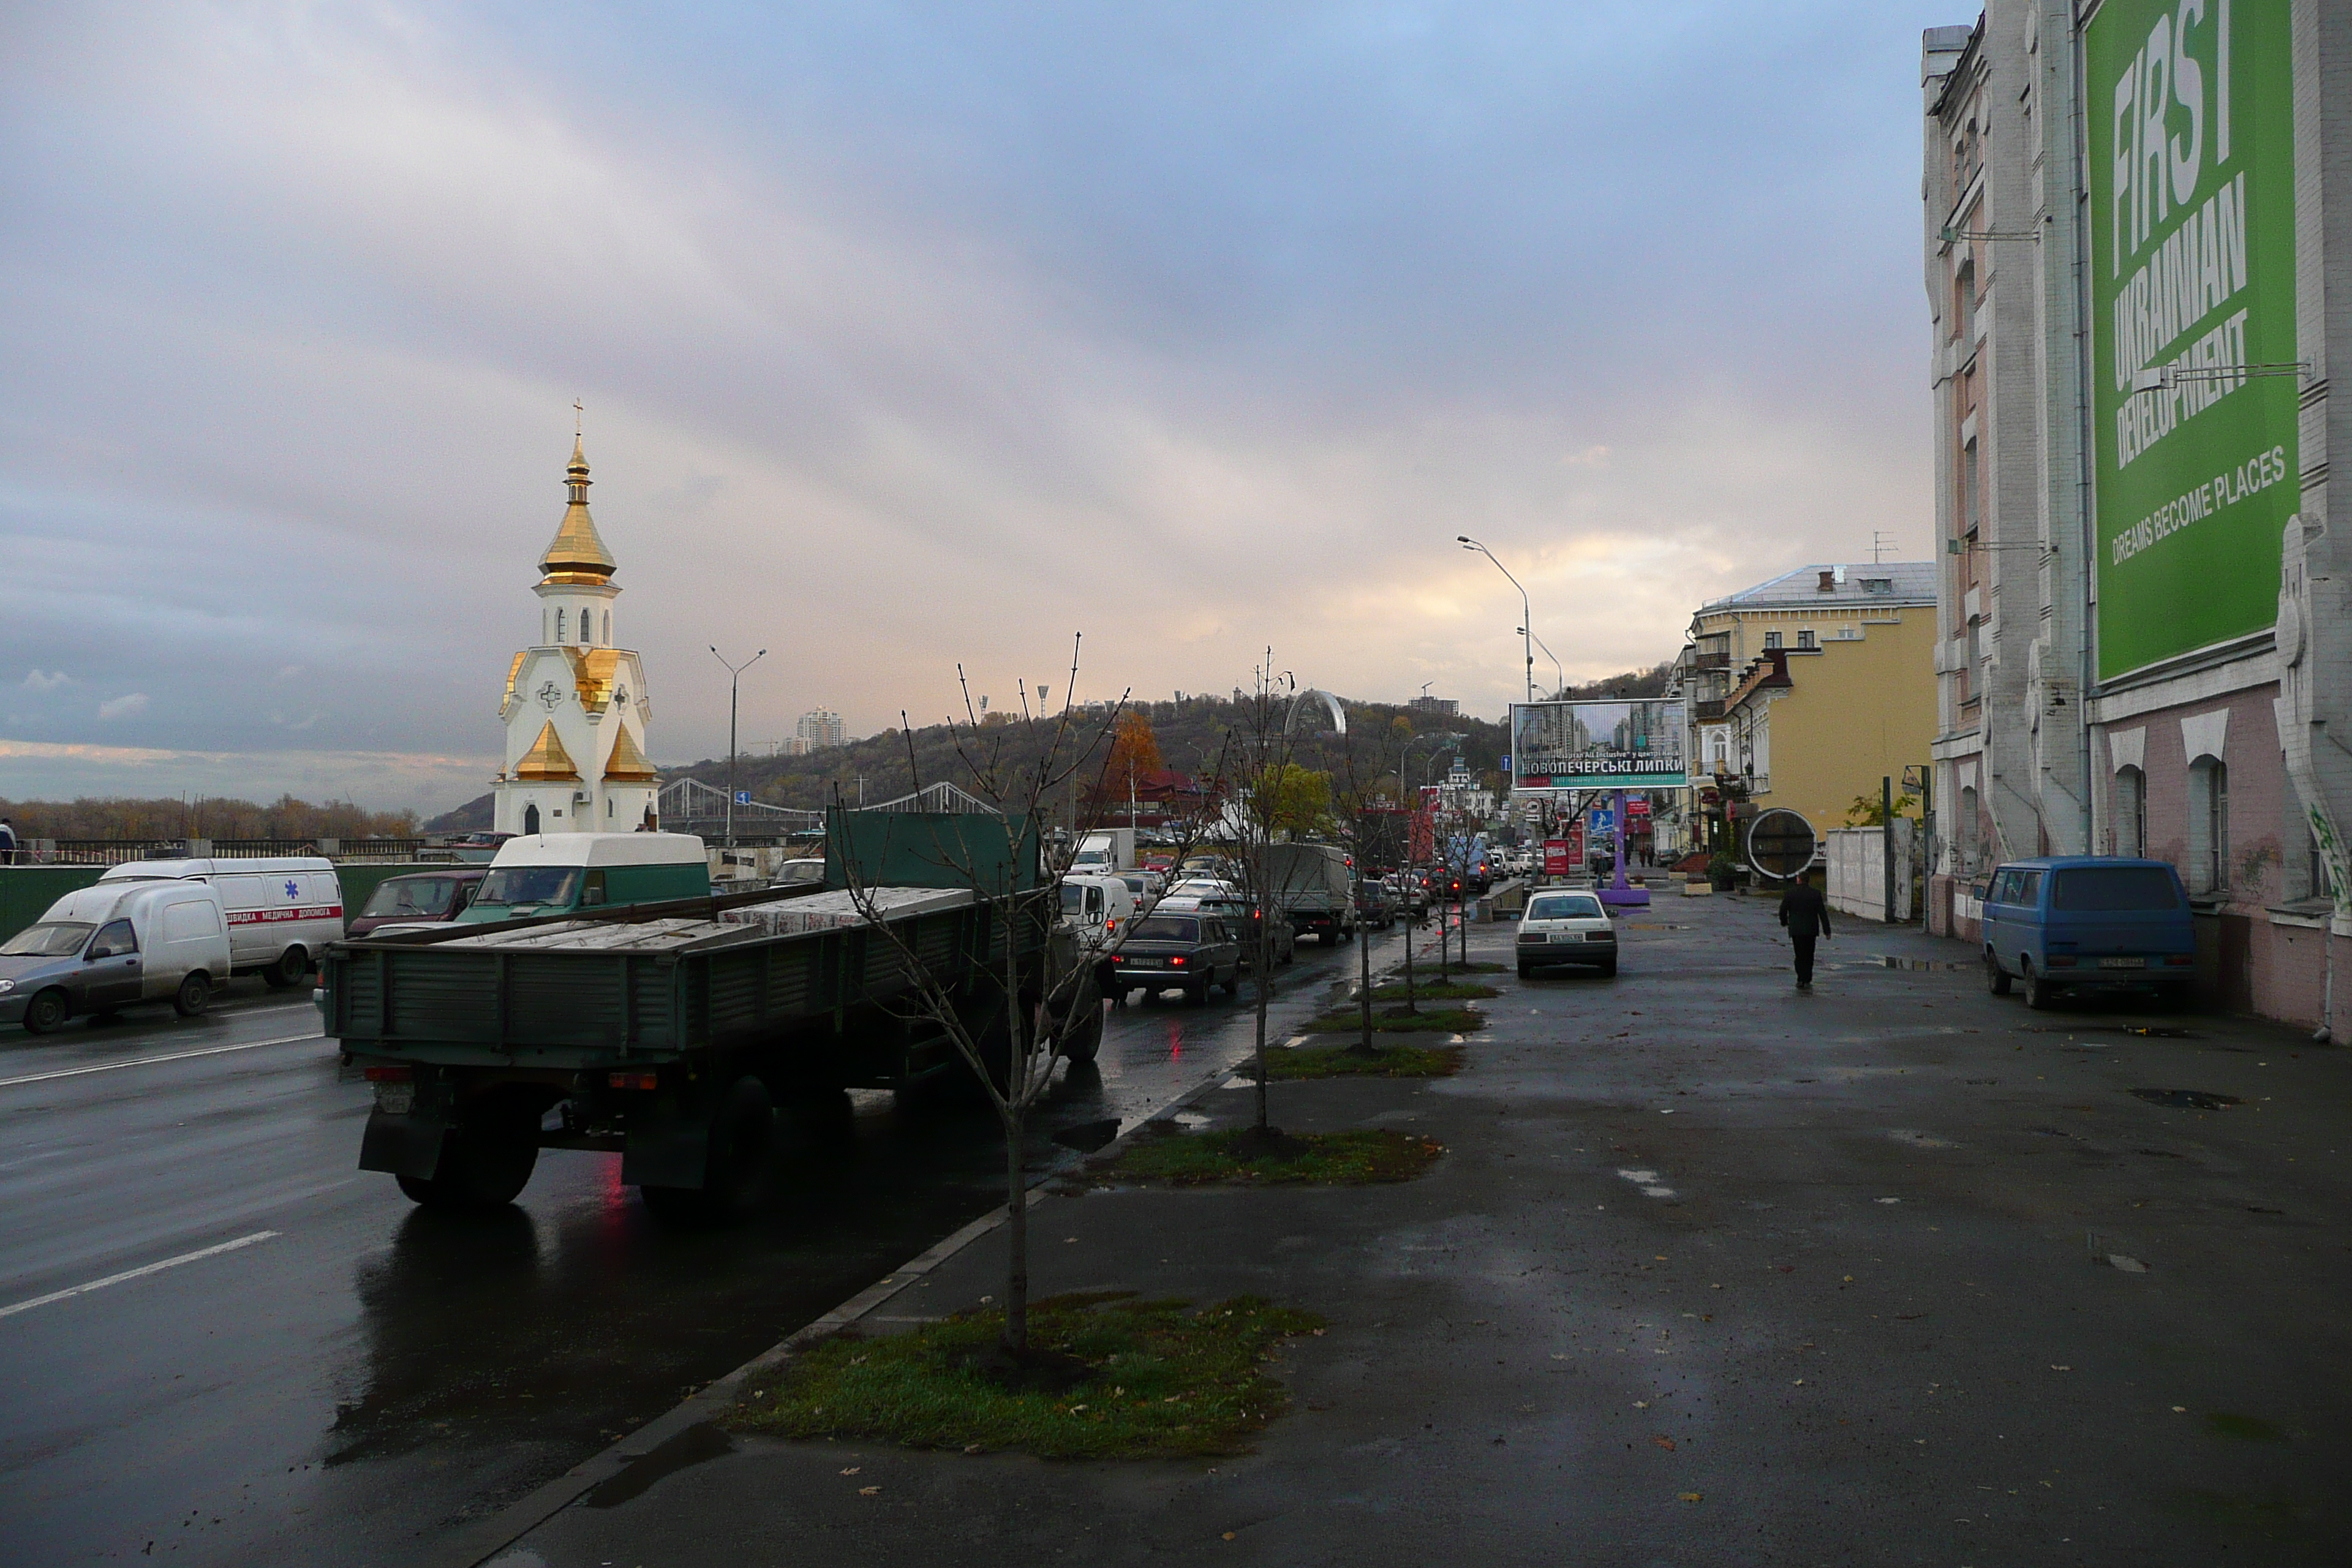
818,729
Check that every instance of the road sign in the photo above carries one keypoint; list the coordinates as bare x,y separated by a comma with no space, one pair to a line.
1558,862
742,797
1781,844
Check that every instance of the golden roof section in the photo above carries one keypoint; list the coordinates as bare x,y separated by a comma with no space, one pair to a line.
576,547
512,670
547,759
593,669
627,763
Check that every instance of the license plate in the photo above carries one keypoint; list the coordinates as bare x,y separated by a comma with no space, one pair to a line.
2123,964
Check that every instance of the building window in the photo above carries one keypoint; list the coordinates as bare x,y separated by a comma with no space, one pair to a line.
1771,639
1964,831
2209,825
531,818
1807,642
608,628
2131,814
559,627
1964,301
1970,504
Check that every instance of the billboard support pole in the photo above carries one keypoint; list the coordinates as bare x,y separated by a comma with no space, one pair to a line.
1619,894
1886,842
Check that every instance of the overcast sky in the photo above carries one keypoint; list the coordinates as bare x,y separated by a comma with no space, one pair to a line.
918,333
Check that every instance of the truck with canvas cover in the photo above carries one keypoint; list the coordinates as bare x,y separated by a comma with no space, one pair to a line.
1313,886
692,1037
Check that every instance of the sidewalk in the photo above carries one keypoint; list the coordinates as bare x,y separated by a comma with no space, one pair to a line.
1711,1274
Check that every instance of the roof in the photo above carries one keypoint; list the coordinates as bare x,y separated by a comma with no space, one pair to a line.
601,849
1907,583
627,762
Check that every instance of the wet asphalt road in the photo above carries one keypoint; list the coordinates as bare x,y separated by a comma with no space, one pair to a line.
359,1376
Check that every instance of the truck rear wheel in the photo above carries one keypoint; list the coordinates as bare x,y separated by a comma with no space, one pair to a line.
485,1164
1084,1042
739,1175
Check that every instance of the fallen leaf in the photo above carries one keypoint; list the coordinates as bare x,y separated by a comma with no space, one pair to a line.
2180,1410
853,1469
869,1491
1666,1442
1229,1535
2056,1367
1690,1497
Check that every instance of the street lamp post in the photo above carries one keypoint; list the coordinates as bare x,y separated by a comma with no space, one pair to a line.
1559,675
734,677
1527,611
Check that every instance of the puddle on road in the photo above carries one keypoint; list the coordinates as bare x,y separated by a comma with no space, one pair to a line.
692,1446
1920,1140
2187,1099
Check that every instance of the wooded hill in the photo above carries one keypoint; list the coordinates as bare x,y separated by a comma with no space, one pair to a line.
1190,737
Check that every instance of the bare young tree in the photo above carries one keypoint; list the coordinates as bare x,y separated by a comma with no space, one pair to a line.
1044,1001
1368,827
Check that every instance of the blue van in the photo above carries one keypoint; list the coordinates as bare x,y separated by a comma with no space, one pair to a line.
2083,923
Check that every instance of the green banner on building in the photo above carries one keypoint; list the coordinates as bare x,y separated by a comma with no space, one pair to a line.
2191,165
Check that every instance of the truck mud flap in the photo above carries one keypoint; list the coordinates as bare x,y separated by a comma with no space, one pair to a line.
667,1152
403,1145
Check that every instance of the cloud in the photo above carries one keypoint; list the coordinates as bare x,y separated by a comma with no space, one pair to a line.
125,706
289,672
36,681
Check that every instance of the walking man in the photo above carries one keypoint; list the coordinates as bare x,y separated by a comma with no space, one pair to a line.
1806,913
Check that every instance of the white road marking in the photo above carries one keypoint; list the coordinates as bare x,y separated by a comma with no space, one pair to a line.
258,1236
151,1061
1649,1184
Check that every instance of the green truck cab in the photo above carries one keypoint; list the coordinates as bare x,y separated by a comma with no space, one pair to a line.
564,873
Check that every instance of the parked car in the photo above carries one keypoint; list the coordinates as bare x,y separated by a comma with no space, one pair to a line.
419,898
2083,923
115,945
282,910
1097,906
1411,893
1146,887
1193,951
1565,929
1376,906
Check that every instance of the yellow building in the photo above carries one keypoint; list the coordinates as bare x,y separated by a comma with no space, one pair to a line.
1810,688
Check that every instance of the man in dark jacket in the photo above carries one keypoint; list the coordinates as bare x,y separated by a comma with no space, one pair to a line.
1806,913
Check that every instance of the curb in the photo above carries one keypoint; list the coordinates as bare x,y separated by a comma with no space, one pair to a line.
477,1544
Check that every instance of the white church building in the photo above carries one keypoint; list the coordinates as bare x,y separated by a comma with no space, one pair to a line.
575,707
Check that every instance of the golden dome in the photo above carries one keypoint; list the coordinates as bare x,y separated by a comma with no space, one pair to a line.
627,763
547,759
576,551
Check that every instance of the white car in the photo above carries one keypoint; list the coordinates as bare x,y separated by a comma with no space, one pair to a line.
1566,927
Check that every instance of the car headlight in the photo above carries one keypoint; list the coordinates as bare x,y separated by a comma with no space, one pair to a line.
7,986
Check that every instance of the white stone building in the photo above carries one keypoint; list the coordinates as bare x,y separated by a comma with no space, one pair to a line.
575,705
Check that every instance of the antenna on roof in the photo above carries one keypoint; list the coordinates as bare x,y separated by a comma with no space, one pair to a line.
1878,542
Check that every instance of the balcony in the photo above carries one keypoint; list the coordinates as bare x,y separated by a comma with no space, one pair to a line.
1708,707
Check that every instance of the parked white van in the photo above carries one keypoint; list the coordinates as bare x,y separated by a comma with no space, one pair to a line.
1099,908
115,945
282,910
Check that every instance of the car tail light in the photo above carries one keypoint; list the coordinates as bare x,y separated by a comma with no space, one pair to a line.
1176,963
391,1075
1118,958
639,1080
2179,960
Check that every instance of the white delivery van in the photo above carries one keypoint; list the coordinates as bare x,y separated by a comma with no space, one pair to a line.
282,910
114,946
1097,907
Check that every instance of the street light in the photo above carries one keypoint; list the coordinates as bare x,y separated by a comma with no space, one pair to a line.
734,674
1527,611
1559,675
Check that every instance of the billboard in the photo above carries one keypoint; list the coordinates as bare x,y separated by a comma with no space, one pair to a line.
1631,744
2191,162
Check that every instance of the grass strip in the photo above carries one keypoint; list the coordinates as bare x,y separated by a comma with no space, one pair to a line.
1396,1020
1354,1157
1158,1380
1435,991
1399,1060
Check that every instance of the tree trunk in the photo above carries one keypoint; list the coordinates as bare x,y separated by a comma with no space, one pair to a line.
1409,1005
1264,988
1016,1242
1364,987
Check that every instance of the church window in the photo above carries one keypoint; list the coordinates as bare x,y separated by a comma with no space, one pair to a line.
559,627
608,628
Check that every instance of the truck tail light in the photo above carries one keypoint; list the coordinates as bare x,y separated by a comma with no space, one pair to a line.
638,1081
2178,959
391,1075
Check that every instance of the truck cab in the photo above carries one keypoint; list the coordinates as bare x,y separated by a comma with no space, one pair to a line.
561,873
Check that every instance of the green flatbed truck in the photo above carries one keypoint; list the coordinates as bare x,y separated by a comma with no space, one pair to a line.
687,1036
